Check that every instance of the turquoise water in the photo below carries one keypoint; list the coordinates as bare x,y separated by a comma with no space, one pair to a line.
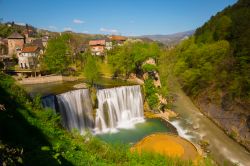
131,136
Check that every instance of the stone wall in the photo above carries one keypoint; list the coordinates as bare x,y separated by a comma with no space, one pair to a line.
13,44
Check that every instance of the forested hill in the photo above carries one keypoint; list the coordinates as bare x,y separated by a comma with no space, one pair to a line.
213,67
232,25
218,55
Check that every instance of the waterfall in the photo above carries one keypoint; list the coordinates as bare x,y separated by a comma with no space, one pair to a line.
49,102
120,107
75,108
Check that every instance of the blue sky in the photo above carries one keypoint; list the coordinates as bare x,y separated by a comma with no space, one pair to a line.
125,17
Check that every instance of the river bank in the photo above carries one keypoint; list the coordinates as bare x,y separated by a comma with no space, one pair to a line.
195,127
233,122
168,145
47,79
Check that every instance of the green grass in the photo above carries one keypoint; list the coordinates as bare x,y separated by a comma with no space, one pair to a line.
105,69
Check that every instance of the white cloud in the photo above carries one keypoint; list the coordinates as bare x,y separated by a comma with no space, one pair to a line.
112,31
20,23
77,21
52,27
67,29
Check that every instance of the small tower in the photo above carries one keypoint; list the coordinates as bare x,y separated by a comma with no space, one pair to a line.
15,43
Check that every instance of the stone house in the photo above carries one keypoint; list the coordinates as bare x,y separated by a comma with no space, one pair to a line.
15,43
28,59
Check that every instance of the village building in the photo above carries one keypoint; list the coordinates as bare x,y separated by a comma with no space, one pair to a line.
38,43
108,44
117,40
45,40
28,59
15,43
97,47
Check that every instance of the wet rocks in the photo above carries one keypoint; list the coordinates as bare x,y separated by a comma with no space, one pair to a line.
204,144
81,86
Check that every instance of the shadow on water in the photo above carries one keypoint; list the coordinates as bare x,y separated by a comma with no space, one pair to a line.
17,133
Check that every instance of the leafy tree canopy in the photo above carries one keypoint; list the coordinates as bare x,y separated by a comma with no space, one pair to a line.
56,58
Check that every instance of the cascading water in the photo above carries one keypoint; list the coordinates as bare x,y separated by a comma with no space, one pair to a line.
76,110
120,107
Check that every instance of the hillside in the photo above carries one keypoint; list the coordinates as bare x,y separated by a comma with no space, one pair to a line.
171,39
213,69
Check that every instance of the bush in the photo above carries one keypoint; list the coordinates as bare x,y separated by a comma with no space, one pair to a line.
149,68
150,92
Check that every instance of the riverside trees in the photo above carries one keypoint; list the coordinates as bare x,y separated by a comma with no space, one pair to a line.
56,59
129,58
91,69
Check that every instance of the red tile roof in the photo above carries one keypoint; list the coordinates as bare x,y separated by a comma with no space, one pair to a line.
30,49
118,38
96,42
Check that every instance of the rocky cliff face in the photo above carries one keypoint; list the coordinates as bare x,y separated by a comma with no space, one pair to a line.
231,117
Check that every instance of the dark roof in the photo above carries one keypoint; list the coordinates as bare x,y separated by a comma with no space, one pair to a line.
15,35
37,42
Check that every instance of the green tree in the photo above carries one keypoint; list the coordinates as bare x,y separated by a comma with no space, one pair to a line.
56,58
130,57
223,26
91,69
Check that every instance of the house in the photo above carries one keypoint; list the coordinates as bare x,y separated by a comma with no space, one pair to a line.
39,44
82,49
28,59
108,44
45,40
15,43
97,47
117,40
